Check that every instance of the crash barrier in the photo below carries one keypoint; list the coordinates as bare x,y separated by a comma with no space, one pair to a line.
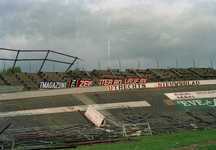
160,84
31,94
132,83
11,89
106,81
82,83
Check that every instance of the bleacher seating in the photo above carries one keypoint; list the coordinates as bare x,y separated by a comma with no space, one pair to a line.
31,81
2,82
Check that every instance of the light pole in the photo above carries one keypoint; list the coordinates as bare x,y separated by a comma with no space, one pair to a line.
193,62
29,67
77,64
119,65
53,67
157,64
99,63
211,63
176,63
138,64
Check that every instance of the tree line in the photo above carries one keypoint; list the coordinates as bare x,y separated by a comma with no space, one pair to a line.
9,70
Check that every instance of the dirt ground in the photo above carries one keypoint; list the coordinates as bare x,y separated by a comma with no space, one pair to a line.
193,146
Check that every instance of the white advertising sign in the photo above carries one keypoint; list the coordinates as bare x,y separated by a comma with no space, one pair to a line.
191,95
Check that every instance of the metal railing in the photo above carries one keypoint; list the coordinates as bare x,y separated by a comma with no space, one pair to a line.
196,72
174,71
136,73
112,72
157,74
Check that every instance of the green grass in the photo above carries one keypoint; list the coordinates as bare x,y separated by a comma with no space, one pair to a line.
212,147
159,142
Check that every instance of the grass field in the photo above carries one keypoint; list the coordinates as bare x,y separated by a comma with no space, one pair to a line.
160,142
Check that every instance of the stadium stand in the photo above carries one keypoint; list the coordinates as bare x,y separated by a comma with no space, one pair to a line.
2,82
31,81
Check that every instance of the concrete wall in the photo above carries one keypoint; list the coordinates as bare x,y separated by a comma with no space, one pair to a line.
10,89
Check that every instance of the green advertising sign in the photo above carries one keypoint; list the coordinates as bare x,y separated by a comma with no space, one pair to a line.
202,103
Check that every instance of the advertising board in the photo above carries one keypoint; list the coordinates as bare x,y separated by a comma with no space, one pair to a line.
79,83
178,83
52,84
131,80
110,81
126,86
190,95
202,103
185,83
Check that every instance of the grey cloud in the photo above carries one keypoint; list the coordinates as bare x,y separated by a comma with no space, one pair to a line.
138,29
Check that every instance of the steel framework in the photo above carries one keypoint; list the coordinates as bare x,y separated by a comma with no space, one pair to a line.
44,60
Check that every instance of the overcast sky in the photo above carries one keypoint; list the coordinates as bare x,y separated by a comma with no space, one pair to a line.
109,31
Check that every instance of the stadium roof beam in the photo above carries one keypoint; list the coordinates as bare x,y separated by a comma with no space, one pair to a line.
157,74
71,64
136,73
174,71
15,60
196,72
44,60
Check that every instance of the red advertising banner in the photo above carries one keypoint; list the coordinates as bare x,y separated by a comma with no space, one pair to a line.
82,83
79,83
110,81
131,80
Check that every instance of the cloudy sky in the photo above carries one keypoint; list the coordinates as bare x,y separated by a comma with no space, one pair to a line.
154,33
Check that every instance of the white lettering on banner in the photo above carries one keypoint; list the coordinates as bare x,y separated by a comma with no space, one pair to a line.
117,81
82,83
198,103
130,80
178,83
176,94
79,83
73,83
52,84
190,95
126,86
110,81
